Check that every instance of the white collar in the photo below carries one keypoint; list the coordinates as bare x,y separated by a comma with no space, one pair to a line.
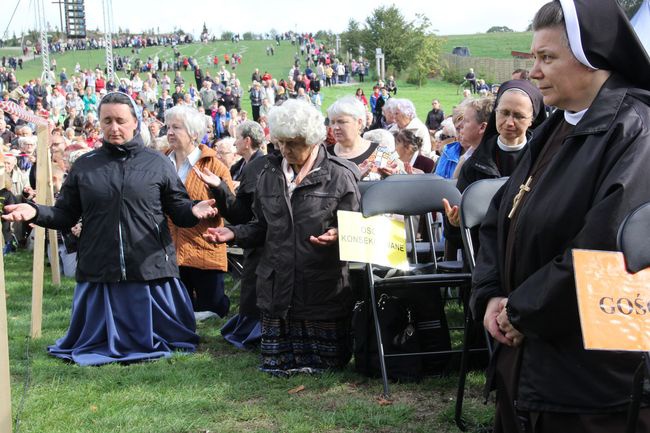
414,157
574,118
192,158
507,148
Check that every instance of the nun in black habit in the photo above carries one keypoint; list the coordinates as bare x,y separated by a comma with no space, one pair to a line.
494,158
586,169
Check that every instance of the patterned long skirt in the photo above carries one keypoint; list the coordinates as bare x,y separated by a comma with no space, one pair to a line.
304,346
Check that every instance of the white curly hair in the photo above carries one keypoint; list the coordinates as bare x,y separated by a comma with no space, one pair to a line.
297,119
347,106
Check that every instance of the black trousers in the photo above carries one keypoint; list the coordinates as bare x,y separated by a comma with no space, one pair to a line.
206,289
256,112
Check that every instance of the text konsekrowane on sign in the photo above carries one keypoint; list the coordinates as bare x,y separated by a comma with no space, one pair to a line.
380,240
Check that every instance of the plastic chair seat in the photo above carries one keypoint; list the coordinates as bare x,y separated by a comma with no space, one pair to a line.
450,266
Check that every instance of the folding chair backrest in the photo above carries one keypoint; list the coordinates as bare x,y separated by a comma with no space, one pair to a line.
634,239
365,184
407,195
473,208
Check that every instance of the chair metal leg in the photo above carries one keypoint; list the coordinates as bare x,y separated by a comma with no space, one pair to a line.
462,374
380,346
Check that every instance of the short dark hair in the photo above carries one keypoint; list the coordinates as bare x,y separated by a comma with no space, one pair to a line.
523,73
548,16
117,98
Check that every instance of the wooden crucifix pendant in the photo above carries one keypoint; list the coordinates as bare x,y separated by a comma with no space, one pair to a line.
523,189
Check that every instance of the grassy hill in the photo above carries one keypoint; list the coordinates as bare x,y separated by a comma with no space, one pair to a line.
253,56
494,45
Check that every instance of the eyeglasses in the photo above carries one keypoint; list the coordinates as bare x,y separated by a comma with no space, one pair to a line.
518,117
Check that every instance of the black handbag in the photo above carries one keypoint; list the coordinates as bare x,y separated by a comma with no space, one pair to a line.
399,335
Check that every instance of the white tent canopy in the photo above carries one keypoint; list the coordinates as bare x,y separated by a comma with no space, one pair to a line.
641,23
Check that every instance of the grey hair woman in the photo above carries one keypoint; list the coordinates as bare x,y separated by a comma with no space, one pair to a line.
201,264
302,286
347,120
406,118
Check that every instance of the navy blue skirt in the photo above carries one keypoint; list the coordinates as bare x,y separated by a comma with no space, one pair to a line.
127,322
243,332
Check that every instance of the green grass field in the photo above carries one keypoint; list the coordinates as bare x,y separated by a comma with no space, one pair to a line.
494,45
254,56
217,389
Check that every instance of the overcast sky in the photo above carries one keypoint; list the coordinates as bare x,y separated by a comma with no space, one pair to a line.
447,17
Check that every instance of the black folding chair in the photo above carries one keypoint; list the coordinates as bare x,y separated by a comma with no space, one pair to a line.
235,257
434,246
473,208
634,241
408,195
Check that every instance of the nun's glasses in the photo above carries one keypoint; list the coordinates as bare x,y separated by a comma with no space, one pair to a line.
515,115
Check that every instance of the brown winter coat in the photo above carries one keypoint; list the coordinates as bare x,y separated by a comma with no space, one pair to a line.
191,249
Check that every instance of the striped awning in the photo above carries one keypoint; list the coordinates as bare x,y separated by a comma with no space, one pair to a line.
13,108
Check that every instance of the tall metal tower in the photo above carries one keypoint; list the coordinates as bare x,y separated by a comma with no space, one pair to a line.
41,23
75,18
107,6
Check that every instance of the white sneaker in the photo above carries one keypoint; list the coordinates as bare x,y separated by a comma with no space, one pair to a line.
200,316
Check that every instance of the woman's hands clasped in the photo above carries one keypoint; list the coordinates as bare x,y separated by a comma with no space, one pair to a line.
496,322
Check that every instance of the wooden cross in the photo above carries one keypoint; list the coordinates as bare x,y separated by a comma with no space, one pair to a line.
523,189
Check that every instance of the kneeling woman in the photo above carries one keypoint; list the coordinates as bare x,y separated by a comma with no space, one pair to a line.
129,304
302,286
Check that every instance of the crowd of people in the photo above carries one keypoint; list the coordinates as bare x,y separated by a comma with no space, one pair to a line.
154,176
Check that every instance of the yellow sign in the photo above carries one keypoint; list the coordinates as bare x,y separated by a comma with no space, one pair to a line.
614,305
379,240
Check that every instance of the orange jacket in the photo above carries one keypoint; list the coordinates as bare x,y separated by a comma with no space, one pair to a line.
191,249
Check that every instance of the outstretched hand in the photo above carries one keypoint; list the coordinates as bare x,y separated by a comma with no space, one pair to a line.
452,213
209,178
204,209
19,212
328,238
218,235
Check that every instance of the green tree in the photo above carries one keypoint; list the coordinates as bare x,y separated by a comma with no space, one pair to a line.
426,62
352,38
398,38
248,36
499,29
226,36
326,37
